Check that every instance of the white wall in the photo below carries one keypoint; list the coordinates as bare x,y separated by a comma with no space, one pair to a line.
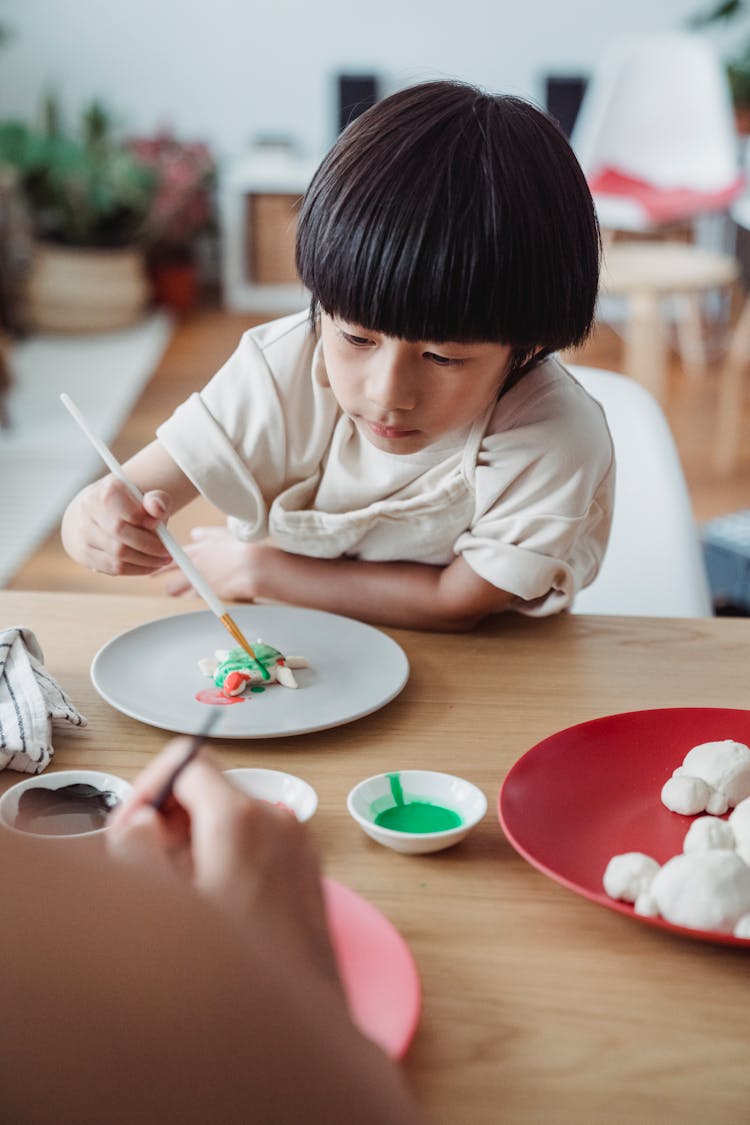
226,70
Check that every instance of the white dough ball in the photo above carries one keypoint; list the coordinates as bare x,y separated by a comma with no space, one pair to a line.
703,890
717,802
629,875
685,794
645,905
708,832
739,819
723,765
208,666
742,928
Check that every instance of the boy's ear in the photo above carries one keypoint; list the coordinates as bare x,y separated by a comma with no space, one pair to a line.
519,363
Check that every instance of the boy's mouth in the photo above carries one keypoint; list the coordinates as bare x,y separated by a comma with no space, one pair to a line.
392,432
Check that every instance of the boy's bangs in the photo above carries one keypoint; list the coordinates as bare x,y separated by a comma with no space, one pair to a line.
437,287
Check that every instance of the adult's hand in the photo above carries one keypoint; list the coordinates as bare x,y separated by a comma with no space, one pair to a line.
255,861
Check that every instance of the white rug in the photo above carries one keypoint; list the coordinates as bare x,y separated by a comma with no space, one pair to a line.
44,458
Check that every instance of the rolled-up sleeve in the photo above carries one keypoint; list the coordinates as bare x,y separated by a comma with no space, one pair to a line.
196,441
544,493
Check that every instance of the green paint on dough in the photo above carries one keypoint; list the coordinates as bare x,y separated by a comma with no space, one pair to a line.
237,660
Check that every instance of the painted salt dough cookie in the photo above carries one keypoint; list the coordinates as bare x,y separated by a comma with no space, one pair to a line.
234,671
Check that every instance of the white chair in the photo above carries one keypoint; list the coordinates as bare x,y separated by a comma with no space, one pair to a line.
654,563
655,133
656,138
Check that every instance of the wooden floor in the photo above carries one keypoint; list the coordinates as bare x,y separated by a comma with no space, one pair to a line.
204,340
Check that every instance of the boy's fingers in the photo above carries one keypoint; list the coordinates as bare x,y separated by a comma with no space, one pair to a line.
118,556
177,586
165,569
114,529
102,562
157,504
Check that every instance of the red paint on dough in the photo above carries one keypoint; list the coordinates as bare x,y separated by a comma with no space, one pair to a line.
234,681
214,696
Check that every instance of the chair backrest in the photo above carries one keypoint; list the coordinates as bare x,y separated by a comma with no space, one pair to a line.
659,109
654,563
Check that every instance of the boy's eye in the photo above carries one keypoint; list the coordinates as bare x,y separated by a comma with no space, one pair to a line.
442,360
357,341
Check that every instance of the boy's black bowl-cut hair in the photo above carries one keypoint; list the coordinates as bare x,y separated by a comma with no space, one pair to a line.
444,213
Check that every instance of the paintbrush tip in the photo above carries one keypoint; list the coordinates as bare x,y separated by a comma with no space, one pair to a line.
231,625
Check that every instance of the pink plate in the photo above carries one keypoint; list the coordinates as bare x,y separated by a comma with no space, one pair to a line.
378,971
593,791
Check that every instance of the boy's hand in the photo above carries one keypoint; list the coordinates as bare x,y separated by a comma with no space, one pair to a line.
231,567
106,529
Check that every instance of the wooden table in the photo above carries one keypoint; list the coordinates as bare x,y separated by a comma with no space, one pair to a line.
539,1006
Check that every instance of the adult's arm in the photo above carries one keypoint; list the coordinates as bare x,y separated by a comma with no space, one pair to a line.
129,994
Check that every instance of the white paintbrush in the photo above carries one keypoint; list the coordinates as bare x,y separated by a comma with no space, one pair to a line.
197,581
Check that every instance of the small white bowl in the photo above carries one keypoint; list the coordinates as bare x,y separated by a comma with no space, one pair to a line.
371,797
277,787
102,781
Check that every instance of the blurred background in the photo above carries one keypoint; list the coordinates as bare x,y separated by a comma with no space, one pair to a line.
153,155
227,71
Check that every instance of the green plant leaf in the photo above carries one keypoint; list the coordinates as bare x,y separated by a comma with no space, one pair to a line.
726,10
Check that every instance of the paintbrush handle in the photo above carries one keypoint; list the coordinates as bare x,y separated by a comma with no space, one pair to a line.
197,580
163,795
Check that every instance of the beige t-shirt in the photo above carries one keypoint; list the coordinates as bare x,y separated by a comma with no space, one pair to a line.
524,494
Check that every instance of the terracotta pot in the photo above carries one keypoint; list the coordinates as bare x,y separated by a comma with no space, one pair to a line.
175,284
72,289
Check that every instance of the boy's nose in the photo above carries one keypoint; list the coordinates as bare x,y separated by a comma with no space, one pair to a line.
392,385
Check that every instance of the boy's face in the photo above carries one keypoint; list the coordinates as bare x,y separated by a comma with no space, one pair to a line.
405,396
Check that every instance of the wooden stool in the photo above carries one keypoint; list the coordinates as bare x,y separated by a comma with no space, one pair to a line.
729,412
646,273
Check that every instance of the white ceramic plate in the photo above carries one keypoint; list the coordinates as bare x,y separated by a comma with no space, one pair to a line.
151,672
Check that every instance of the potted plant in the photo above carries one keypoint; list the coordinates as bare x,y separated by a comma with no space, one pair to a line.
738,65
88,198
181,211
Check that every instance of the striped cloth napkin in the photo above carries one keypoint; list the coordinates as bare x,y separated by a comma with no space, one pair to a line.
29,700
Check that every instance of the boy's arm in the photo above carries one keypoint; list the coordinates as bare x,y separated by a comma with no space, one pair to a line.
405,595
105,528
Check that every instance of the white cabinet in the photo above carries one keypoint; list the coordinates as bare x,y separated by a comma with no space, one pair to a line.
258,197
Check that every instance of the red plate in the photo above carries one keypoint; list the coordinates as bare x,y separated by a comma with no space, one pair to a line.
377,969
593,791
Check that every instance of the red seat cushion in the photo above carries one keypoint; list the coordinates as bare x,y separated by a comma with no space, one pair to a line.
660,204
